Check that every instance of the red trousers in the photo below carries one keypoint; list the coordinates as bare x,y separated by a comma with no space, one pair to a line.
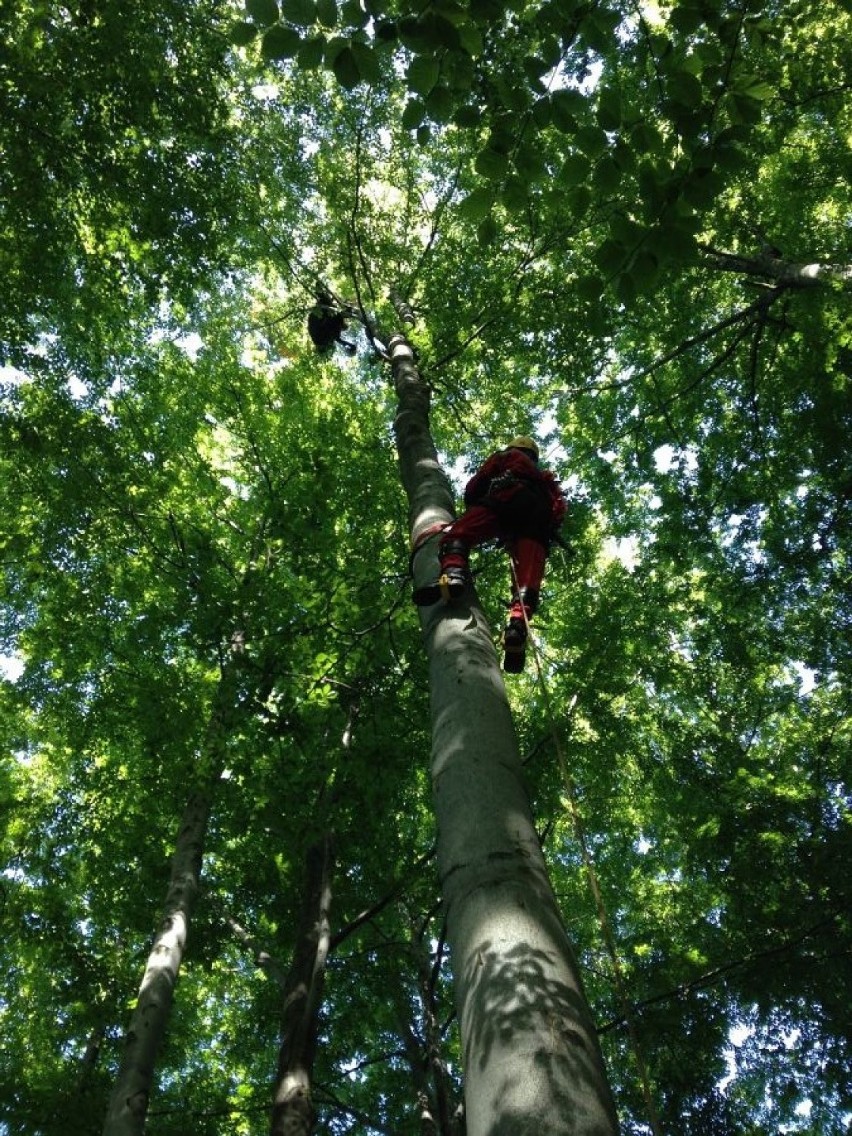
480,524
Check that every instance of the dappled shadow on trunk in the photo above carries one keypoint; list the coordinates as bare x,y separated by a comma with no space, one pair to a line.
531,1032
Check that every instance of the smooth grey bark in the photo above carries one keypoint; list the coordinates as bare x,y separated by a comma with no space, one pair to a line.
532,1062
293,1112
780,272
128,1104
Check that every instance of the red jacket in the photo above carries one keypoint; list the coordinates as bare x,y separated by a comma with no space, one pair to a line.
509,473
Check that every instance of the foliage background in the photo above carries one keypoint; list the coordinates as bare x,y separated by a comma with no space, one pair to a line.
600,212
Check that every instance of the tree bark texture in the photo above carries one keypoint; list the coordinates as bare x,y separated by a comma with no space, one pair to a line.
532,1062
128,1104
293,1111
782,273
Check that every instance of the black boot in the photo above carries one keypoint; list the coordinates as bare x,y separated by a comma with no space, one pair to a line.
453,579
523,607
515,645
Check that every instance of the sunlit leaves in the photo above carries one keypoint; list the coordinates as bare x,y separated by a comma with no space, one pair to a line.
553,231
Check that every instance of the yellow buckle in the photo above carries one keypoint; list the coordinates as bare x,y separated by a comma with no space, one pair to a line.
444,587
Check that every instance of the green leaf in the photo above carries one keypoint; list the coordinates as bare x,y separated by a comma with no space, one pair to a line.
529,163
353,15
609,109
459,72
470,39
422,74
440,104
515,194
310,54
626,288
743,109
607,175
575,169
514,97
443,32
487,231
346,69
491,164
685,19
263,12
702,188
542,112
566,106
387,32
242,33
413,114
534,67
589,287
625,230
301,12
684,88
424,134
591,140
757,90
334,47
466,116
598,30
280,43
610,257
412,33
578,200
368,63
477,204
645,269
327,13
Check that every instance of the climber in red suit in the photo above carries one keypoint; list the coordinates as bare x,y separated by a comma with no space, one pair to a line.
510,499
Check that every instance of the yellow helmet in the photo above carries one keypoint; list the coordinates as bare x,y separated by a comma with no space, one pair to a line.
524,443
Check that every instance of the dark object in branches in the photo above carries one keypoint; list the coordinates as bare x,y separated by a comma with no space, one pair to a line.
327,322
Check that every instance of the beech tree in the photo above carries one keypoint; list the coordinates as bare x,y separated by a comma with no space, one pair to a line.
622,229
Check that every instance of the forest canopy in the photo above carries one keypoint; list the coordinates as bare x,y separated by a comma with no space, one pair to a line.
623,229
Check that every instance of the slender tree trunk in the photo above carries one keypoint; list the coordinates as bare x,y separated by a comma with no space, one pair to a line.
128,1104
531,1057
293,1111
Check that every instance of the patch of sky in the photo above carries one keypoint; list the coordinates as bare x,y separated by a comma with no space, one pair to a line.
806,677
668,457
11,667
12,377
624,549
190,344
235,488
737,1037
77,388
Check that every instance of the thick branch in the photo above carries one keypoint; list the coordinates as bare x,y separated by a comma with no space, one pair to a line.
782,273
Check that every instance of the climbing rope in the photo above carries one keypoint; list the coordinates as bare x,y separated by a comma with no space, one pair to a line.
592,875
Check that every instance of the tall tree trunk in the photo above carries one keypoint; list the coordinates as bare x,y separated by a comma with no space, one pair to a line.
128,1104
532,1062
293,1111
